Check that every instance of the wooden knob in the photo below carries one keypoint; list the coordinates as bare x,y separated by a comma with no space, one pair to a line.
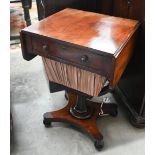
84,58
45,48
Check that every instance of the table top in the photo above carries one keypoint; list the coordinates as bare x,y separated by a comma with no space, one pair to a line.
92,30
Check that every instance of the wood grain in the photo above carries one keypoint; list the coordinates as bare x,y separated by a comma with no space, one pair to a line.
122,60
92,30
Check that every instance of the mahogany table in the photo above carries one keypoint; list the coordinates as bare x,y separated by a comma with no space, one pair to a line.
94,42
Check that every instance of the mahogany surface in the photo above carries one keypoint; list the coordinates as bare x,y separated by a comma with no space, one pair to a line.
71,34
101,32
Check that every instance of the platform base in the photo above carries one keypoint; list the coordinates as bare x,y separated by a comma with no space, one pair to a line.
88,124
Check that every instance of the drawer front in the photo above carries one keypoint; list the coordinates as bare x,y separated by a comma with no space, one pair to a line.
72,55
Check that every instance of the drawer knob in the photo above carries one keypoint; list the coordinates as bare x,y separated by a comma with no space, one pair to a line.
84,58
45,48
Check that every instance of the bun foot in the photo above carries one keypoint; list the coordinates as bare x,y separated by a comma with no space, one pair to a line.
99,144
47,123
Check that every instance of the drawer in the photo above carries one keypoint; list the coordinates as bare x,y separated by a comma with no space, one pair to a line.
76,56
